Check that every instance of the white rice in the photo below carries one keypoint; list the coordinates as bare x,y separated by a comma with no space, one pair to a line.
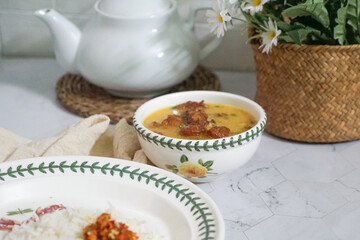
68,224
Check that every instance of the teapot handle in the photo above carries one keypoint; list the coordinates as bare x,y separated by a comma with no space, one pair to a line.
194,8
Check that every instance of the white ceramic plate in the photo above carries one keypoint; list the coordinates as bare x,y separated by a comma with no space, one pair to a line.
177,208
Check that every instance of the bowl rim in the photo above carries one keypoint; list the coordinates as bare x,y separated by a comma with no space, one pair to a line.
200,145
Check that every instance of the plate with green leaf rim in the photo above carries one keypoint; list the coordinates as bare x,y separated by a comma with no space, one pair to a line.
176,207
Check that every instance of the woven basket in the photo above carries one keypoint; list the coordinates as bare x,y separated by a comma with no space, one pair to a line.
310,93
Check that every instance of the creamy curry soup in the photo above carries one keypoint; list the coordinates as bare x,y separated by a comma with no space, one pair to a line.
199,121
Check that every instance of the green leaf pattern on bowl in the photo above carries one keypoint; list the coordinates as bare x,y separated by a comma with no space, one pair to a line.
217,145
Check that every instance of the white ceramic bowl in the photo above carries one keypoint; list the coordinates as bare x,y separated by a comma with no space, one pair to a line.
194,158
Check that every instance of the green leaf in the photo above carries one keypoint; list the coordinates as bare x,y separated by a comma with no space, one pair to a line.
18,169
232,143
73,166
176,186
153,176
223,144
121,173
19,211
284,27
51,167
83,164
208,164
252,134
133,173
206,148
142,133
95,165
313,8
126,169
196,146
162,142
340,28
104,168
188,146
200,161
252,20
155,140
169,182
184,158
169,144
10,172
216,145
353,16
247,137
29,168
240,140
148,137
170,167
42,167
178,145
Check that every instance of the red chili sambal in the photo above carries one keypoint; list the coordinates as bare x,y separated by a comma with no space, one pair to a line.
106,229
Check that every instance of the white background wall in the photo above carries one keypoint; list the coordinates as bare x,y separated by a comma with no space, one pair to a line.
24,35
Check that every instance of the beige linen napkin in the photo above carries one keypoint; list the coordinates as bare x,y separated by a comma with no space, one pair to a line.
90,136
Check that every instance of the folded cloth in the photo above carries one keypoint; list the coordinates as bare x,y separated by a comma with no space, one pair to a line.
9,142
90,136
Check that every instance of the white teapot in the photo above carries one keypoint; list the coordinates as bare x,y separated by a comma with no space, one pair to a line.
132,48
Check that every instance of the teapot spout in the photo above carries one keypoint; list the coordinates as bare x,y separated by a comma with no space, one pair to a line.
66,37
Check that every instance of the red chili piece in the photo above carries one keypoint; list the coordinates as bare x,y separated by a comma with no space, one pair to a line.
7,224
42,211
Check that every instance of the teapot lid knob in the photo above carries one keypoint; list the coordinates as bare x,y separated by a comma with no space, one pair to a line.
134,8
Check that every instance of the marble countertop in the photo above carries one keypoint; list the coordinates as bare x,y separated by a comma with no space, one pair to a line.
287,191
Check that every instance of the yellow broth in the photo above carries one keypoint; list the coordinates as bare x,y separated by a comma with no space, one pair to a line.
234,118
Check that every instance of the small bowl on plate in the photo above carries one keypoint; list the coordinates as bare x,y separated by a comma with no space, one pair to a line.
200,160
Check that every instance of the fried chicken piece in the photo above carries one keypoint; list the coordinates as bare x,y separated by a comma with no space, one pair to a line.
190,105
195,117
218,132
192,130
172,120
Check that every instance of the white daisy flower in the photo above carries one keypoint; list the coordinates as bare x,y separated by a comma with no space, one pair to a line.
269,36
236,13
233,1
218,17
253,6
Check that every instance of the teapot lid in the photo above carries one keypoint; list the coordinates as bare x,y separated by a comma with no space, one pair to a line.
134,8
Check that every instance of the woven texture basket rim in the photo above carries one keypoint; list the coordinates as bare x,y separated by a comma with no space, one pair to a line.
294,46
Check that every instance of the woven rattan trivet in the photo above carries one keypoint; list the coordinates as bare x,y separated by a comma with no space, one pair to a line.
85,99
